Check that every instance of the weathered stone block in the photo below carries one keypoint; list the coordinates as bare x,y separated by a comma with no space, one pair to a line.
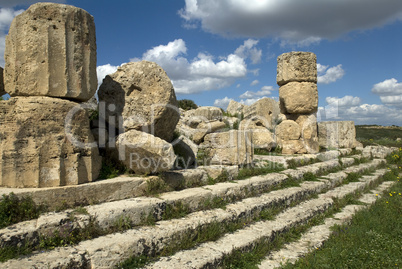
235,108
288,130
265,109
205,113
296,66
144,153
299,98
262,137
51,51
46,142
229,148
140,96
308,128
336,134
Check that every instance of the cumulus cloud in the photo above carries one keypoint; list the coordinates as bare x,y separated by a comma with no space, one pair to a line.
103,70
249,102
264,92
388,87
292,20
222,103
6,17
248,50
390,92
344,101
349,108
329,75
254,82
199,74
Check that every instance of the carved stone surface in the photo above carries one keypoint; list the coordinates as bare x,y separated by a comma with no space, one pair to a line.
296,66
337,134
46,142
51,51
229,148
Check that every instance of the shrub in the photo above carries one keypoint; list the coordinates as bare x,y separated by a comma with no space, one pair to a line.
187,104
14,209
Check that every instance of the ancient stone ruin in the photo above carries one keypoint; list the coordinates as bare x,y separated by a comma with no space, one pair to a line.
47,138
298,95
50,68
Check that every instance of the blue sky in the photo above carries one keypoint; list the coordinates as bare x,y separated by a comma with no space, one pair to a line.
215,51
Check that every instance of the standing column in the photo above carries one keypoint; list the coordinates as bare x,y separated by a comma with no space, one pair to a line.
298,96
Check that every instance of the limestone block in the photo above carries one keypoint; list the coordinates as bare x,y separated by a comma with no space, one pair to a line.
229,148
235,108
186,151
46,142
290,147
296,66
141,95
206,128
2,91
144,153
288,130
231,121
205,113
299,98
265,109
51,51
262,138
309,130
336,134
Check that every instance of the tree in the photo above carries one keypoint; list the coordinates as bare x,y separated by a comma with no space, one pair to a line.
187,104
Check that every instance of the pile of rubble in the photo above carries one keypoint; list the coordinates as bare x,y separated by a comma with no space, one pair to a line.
49,136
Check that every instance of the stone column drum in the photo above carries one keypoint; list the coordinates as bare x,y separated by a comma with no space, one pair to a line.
51,51
298,96
45,136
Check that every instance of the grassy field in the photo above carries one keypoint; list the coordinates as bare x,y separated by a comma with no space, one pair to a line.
379,135
372,239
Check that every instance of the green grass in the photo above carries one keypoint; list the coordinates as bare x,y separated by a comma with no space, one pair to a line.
372,135
294,163
14,209
371,240
270,167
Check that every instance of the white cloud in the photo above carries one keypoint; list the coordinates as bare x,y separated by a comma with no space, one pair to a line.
255,82
103,70
6,17
291,20
264,92
392,100
200,74
248,102
328,75
387,87
238,86
390,92
349,108
344,101
248,50
222,103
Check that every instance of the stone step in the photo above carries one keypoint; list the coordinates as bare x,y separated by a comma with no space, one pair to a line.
122,187
136,211
317,235
125,187
107,251
211,254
